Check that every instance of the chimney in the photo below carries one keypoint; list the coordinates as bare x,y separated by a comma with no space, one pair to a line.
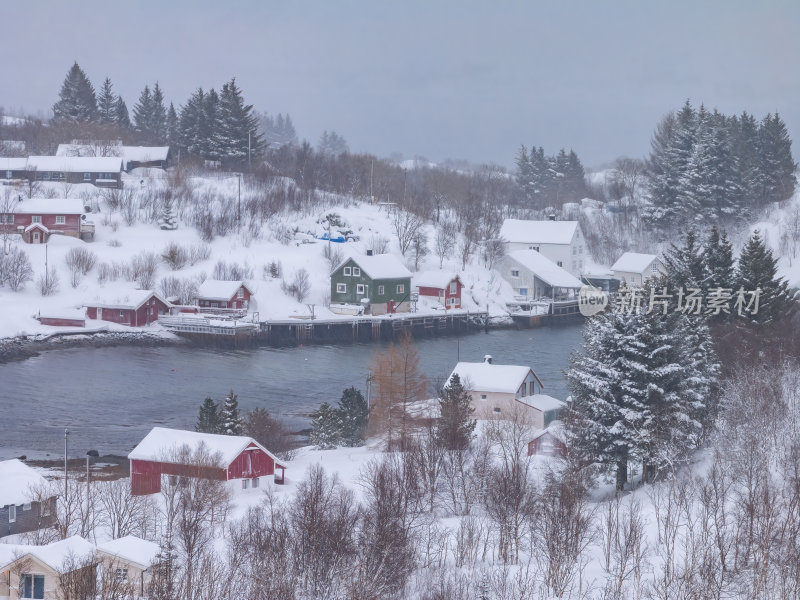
551,217
487,359
369,252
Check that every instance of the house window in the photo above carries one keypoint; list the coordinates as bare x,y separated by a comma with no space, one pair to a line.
483,396
360,289
255,482
401,289
574,250
8,174
347,271
122,313
44,508
533,248
12,513
87,176
32,586
515,272
36,219
26,506
341,288
61,220
453,287
560,264
240,293
356,272
121,575
380,290
244,483
497,409
654,267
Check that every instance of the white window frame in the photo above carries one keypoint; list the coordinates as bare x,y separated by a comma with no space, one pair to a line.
8,174
654,267
87,176
121,575
380,290
44,508
356,272
348,271
341,288
26,506
360,289
12,513
36,219
33,577
401,288
453,287
515,273
255,482
61,220
240,293
244,483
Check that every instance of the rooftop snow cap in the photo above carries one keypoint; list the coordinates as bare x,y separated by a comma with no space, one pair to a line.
487,359
551,217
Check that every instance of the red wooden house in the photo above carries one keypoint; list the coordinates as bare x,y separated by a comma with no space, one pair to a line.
549,442
174,452
214,293
441,285
135,308
39,218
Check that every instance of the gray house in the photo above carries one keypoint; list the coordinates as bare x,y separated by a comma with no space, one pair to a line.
380,282
20,512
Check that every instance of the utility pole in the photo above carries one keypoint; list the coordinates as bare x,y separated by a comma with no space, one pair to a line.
66,479
249,160
46,271
371,173
239,207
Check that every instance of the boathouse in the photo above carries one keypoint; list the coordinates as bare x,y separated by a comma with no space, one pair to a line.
175,453
439,285
214,293
136,308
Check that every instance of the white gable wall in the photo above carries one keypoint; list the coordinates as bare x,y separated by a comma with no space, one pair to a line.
571,257
637,278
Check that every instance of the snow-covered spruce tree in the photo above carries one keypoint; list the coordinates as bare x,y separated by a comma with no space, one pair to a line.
236,137
326,427
208,419
121,116
718,260
106,103
230,421
150,115
684,264
778,167
643,389
455,426
168,220
143,110
76,100
353,417
172,136
757,269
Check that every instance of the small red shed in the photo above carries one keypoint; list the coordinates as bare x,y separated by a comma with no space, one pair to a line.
441,285
135,308
214,293
163,452
549,442
63,318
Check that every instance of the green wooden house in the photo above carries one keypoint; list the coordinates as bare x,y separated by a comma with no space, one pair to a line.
381,279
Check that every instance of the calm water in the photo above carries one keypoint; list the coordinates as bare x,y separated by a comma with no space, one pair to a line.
109,398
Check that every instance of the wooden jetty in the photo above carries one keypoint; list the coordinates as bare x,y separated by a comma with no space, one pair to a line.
553,313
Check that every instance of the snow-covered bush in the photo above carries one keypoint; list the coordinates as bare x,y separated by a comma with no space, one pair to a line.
15,266
48,283
299,287
143,270
175,255
199,252
185,290
79,261
232,271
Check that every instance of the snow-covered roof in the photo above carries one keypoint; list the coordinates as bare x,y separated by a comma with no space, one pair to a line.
161,445
33,226
50,206
215,289
545,269
75,164
380,266
556,429
12,164
489,377
144,153
633,262
62,313
126,153
131,549
542,402
59,556
433,279
538,232
130,299
18,480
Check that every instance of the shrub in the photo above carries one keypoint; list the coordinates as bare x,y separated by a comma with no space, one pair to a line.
175,255
300,287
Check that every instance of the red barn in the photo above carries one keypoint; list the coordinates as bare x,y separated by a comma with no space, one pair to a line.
214,293
549,442
135,308
39,218
170,452
441,285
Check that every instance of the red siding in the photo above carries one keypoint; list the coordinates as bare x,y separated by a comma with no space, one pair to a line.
233,302
556,446
253,462
146,314
70,227
59,322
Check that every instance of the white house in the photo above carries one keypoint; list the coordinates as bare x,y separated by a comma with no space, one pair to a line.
496,389
560,241
129,560
633,269
532,276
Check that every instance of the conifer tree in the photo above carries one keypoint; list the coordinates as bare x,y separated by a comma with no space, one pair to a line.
158,116
353,414
236,137
326,427
121,117
168,220
143,111
777,165
230,421
684,264
718,260
758,269
455,426
106,103
524,174
208,125
173,137
190,123
76,100
208,420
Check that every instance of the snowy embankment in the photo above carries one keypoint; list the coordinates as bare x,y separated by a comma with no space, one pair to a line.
264,251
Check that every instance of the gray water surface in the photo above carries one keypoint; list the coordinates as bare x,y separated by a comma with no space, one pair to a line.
109,398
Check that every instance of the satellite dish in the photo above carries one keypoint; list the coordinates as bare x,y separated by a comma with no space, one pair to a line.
83,217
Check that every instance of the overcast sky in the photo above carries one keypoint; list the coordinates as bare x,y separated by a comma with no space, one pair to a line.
460,79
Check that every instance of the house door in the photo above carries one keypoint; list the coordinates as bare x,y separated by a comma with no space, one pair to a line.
36,237
99,314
